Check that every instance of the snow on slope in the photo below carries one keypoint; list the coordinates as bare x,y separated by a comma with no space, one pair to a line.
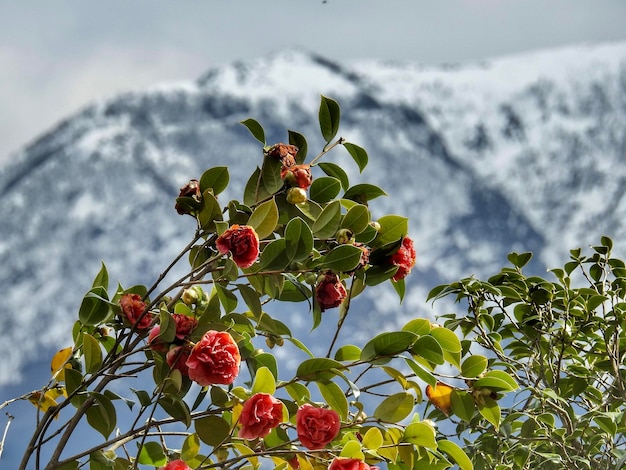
546,128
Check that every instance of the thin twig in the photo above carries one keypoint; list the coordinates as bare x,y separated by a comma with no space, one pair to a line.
6,430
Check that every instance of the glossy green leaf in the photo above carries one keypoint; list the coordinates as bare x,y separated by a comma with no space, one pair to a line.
342,258
251,298
152,453
456,453
388,344
428,348
227,298
356,219
92,352
334,397
73,380
395,407
210,212
255,129
473,366
334,170
94,308
463,404
324,189
270,176
101,415
421,373
364,192
102,278
358,154
497,380
298,240
297,139
392,229
319,368
419,326
328,221
329,117
191,447
264,218
298,392
447,339
264,381
274,256
490,410
420,434
348,352
212,430
216,179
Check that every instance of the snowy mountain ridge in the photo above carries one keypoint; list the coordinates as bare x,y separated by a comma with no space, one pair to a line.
482,169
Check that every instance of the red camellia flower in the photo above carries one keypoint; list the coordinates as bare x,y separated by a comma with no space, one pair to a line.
261,413
340,463
297,175
214,359
133,308
316,427
184,325
404,258
176,465
242,242
330,291
177,357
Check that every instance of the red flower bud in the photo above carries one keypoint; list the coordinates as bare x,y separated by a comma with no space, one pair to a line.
404,258
177,358
340,463
242,242
330,291
176,465
297,175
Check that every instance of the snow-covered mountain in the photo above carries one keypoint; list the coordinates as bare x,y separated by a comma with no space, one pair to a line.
519,153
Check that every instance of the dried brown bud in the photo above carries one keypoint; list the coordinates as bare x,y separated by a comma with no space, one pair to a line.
286,154
191,189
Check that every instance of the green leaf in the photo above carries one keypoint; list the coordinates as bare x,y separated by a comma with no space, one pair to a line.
348,352
227,298
216,179
457,454
419,326
373,439
342,258
270,177
364,192
462,404
428,348
490,410
395,407
329,117
73,380
251,298
473,366
400,287
102,278
264,381
497,380
298,392
298,240
94,308
176,408
191,447
421,373
388,344
358,154
152,453
264,218
392,229
255,129
212,430
328,221
92,352
356,219
447,339
274,256
519,260
324,189
334,170
101,415
297,139
420,434
334,396
210,212
319,368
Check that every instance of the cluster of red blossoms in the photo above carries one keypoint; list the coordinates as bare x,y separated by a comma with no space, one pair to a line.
404,258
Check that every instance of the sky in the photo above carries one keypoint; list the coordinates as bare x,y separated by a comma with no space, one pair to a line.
57,56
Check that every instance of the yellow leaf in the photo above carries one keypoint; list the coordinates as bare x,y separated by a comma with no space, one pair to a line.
43,401
440,396
60,362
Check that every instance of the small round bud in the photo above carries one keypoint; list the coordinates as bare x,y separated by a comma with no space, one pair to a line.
345,236
296,195
190,296
375,225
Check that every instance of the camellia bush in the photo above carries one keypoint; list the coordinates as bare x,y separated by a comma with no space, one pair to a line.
529,375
